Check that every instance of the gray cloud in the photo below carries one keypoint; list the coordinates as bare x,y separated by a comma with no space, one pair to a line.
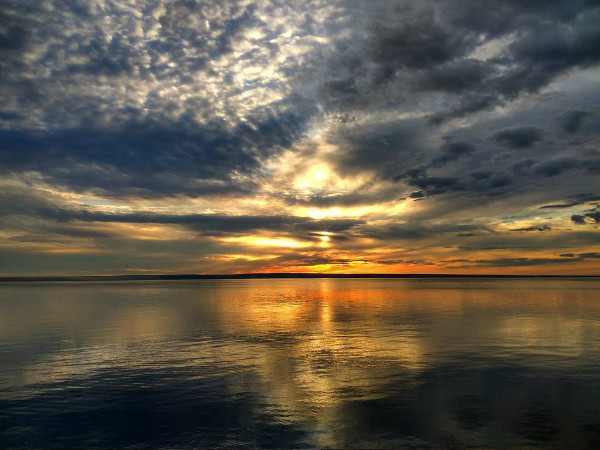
386,148
518,137
147,158
581,219
452,151
520,262
456,77
15,203
415,230
487,183
523,262
579,199
534,228
571,121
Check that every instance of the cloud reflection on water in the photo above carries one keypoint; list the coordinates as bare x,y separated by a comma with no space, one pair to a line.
301,362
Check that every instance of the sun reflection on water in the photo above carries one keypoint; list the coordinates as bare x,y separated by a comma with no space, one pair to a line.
307,351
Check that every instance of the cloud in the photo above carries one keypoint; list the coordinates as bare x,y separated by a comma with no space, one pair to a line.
550,168
17,203
452,151
581,219
385,148
487,183
524,262
394,121
571,121
595,216
520,262
156,100
418,40
590,255
534,228
518,137
538,47
574,200
147,158
456,77
415,230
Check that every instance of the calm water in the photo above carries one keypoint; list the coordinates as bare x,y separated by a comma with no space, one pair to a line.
301,363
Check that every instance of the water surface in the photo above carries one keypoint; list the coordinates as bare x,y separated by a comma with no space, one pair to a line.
301,363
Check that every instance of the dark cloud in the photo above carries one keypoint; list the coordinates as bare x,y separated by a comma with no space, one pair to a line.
417,262
524,262
149,159
595,216
581,219
486,183
544,45
575,200
560,205
571,121
313,258
591,255
364,195
530,168
547,49
498,17
386,148
415,230
545,42
557,166
417,41
13,37
518,137
542,49
515,262
436,185
452,151
210,224
535,228
456,77
17,203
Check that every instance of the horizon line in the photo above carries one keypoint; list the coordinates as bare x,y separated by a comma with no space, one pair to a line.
267,275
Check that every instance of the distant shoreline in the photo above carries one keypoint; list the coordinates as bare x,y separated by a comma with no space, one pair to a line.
245,276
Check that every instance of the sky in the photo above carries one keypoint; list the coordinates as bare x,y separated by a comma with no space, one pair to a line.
342,136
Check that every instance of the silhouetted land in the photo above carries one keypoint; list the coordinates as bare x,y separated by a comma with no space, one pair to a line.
270,275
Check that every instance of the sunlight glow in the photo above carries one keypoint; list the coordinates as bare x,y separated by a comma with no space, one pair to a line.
316,177
267,242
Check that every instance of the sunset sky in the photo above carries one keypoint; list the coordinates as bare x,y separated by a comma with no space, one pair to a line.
350,136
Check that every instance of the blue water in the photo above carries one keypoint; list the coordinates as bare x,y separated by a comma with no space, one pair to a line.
301,363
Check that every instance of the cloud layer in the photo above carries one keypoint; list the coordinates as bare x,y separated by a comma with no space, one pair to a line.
218,137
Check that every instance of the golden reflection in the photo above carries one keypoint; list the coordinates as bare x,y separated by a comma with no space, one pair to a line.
310,345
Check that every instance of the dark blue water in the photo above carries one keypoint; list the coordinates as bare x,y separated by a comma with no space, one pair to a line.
301,363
